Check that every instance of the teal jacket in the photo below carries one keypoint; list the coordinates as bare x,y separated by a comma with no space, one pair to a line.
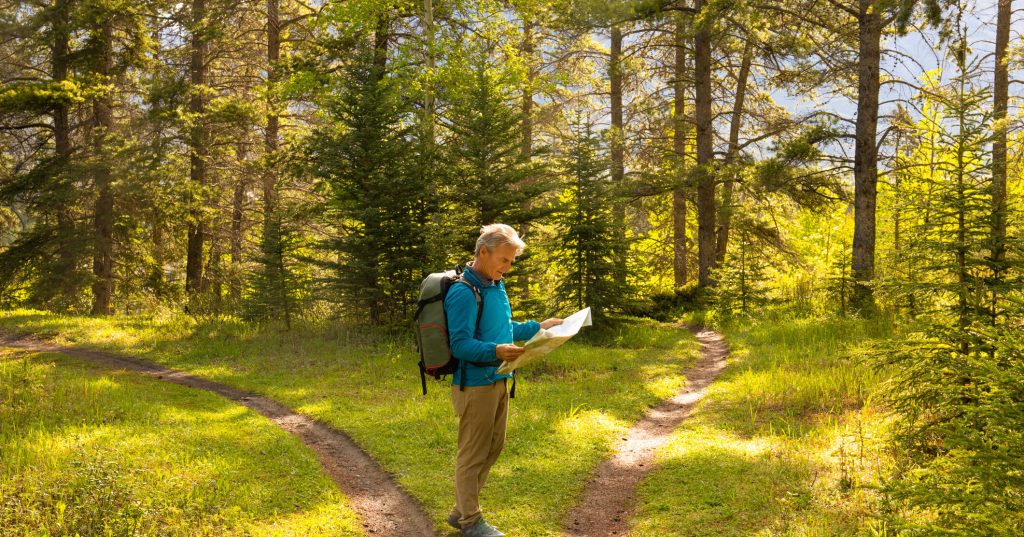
475,342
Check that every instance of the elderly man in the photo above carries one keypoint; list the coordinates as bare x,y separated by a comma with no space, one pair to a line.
479,393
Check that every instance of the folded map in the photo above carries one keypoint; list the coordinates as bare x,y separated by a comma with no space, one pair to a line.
545,341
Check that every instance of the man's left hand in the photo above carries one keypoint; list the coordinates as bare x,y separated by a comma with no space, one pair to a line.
550,322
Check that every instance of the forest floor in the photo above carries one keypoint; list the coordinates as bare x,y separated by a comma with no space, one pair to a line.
783,398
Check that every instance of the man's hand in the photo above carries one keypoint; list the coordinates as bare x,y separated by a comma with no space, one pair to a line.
508,351
550,322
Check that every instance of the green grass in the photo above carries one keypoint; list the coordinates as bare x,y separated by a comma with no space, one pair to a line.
84,450
783,444
569,411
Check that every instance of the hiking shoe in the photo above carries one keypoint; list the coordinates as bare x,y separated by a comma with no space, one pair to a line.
453,519
481,529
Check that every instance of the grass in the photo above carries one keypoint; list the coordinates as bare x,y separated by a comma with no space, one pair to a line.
87,451
785,443
569,411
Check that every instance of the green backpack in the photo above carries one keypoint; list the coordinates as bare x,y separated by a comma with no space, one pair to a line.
431,322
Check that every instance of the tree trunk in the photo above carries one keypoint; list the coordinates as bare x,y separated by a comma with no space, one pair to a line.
865,166
526,149
679,245
428,97
999,106
103,211
61,129
271,135
199,151
237,223
62,145
618,170
733,152
705,155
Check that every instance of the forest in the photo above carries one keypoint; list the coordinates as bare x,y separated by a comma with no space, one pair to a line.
839,182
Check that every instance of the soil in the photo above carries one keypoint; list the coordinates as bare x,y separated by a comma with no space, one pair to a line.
386,509
608,500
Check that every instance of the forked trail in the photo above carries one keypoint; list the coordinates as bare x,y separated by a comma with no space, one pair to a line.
386,509
607,502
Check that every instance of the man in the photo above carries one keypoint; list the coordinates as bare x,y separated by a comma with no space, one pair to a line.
479,393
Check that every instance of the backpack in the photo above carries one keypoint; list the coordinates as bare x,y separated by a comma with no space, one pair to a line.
431,323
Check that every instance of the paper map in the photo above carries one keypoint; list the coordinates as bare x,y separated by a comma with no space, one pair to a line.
545,341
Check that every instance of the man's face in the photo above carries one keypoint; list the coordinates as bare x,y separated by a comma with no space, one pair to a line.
495,264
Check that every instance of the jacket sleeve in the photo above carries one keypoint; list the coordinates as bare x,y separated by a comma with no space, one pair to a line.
461,308
524,331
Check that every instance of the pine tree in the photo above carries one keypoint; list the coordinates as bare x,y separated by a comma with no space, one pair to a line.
590,274
952,390
741,282
373,200
492,179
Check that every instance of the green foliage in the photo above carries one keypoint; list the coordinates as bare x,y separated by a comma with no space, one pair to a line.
956,387
586,248
273,285
492,180
742,283
376,205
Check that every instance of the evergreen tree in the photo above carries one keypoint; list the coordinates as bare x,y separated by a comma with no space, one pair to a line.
68,149
587,265
952,390
492,178
374,201
741,282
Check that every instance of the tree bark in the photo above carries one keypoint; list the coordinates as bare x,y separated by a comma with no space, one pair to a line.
705,155
381,36
62,144
865,167
1000,97
526,149
679,246
237,224
198,142
60,52
618,170
103,210
271,139
428,97
733,152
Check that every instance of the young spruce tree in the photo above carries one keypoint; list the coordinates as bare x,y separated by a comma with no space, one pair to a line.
363,157
492,180
586,247
956,387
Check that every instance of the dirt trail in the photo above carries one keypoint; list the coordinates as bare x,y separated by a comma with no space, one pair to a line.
386,509
607,503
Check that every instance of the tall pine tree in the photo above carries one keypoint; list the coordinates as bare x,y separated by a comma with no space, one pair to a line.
375,203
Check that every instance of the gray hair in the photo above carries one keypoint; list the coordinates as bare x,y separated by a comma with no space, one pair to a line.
494,235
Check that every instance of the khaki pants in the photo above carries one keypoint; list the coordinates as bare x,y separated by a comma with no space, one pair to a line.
483,414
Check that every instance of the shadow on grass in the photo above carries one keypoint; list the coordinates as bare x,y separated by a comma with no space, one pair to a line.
758,454
98,450
727,487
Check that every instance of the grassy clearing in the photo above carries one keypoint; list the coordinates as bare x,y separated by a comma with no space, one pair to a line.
87,451
569,411
783,442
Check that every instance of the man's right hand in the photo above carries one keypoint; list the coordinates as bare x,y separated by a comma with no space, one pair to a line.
508,351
